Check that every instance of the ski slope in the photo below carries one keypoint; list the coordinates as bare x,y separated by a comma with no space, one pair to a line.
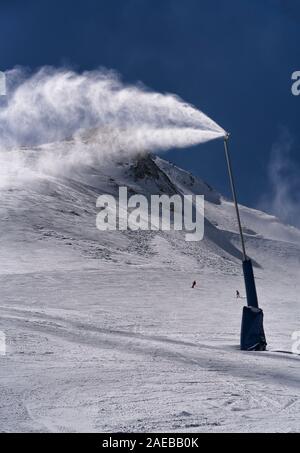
104,332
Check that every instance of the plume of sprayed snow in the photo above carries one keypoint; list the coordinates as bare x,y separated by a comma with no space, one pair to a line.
101,117
283,199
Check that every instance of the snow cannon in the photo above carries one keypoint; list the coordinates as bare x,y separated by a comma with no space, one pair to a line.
252,330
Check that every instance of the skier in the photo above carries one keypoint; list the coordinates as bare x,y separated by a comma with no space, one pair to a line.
238,296
194,284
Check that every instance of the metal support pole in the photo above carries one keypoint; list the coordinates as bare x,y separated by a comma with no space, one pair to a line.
252,299
252,331
228,160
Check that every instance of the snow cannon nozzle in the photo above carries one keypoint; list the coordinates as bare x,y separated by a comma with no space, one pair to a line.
227,135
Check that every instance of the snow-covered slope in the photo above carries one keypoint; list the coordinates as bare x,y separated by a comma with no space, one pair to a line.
103,330
46,218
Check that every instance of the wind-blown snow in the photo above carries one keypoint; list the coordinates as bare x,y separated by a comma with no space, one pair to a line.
54,104
56,120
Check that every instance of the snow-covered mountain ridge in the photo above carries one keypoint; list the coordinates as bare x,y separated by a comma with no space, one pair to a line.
46,213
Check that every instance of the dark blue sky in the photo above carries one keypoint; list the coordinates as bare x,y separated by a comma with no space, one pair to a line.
231,58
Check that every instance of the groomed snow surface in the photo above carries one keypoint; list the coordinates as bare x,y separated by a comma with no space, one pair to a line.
103,330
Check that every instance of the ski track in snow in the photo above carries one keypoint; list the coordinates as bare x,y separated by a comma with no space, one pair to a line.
105,334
